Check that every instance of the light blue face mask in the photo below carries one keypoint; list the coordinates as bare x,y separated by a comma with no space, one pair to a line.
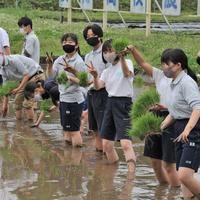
37,97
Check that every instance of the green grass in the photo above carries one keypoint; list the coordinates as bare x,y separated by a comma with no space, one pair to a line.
8,87
120,44
45,105
138,81
62,79
145,124
143,121
83,77
49,30
143,103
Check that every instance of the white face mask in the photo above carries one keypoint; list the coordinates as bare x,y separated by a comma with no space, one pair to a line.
21,30
110,57
37,97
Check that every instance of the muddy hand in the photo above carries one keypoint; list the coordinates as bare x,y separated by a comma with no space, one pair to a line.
33,126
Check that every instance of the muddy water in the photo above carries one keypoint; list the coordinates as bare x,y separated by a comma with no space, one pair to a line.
35,164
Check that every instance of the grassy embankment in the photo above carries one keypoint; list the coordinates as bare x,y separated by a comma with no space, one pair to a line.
49,30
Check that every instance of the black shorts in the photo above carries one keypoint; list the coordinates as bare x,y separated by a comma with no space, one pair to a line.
116,121
70,116
161,146
1,79
188,154
96,106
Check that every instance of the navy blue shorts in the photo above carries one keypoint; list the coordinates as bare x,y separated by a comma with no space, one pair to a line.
85,105
70,116
188,154
116,121
96,106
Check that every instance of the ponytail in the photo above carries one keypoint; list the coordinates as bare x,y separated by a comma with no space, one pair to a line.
178,56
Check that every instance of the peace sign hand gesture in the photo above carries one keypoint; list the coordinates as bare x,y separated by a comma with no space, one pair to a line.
68,68
49,58
92,70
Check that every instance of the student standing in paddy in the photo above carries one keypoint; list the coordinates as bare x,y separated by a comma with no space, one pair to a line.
160,147
118,81
71,98
184,110
31,47
96,98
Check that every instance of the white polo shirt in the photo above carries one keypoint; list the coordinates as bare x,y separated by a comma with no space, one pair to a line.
162,85
32,46
4,40
184,96
95,56
115,83
73,93
16,66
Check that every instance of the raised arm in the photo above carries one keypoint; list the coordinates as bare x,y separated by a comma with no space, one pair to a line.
125,68
49,66
140,60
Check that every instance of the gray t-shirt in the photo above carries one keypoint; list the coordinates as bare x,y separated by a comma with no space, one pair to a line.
16,66
115,83
73,93
32,46
162,85
184,97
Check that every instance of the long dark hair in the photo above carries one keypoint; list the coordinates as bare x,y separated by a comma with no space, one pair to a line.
73,37
178,56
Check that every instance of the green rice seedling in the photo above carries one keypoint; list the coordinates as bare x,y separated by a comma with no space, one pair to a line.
83,77
144,102
62,79
120,44
45,105
145,124
138,81
8,87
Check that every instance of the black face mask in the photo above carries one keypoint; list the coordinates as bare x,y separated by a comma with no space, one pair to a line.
198,60
68,48
93,41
